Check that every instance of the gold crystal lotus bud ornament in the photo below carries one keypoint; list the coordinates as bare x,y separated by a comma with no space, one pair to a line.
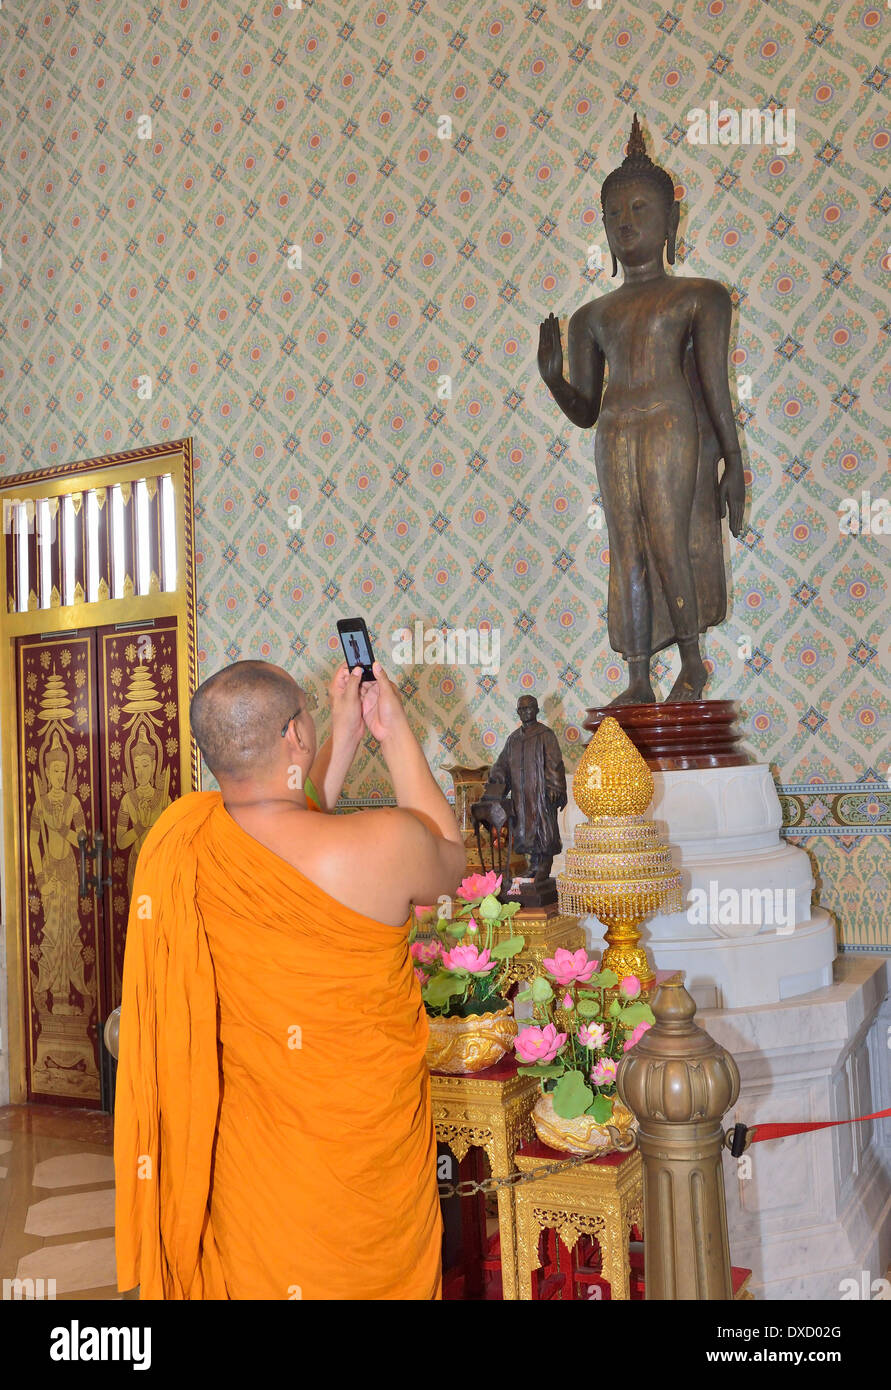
612,778
619,869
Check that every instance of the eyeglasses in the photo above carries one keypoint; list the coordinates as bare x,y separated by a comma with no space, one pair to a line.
295,715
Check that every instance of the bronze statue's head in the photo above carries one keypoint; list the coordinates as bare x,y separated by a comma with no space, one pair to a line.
640,214
527,709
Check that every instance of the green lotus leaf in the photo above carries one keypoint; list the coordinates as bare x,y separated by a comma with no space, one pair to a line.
505,949
571,1096
601,1111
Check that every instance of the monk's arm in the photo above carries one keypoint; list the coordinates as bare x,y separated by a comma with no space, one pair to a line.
335,757
417,790
328,772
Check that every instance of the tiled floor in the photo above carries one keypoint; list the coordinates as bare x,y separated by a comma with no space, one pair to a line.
57,1199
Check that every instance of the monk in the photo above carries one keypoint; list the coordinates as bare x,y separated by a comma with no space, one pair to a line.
273,1127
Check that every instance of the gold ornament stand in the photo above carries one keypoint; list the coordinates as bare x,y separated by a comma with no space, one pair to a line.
620,868
602,1198
490,1111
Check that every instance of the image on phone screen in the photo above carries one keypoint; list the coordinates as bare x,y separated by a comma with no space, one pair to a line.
356,646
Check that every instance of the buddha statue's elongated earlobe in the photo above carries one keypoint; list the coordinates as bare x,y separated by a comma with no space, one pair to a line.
615,266
671,241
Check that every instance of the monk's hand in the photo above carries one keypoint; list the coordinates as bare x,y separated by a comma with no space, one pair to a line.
550,351
382,708
732,493
346,706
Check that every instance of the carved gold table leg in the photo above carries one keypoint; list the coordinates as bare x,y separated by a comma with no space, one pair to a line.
602,1199
492,1111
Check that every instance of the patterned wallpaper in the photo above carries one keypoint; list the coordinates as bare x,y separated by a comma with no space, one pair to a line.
329,249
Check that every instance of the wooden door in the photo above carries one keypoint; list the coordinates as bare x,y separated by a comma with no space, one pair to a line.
97,664
140,742
62,937
99,753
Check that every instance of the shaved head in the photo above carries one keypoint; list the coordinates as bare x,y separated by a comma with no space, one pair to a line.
237,716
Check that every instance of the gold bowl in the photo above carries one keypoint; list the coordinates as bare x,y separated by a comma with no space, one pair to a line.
462,1046
581,1135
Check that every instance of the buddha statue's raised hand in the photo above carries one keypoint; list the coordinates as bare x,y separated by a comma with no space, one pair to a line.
550,351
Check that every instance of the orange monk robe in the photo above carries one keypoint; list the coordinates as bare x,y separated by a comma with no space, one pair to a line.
273,1128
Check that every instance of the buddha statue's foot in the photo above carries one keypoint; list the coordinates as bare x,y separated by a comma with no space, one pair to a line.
690,682
637,693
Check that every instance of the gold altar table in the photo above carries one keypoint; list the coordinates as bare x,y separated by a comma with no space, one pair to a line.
490,1111
602,1198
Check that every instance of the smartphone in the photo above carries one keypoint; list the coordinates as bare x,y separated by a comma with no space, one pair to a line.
356,643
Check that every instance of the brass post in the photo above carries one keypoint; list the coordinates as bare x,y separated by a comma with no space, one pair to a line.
679,1082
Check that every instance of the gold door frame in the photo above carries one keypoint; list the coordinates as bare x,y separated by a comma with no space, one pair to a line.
173,458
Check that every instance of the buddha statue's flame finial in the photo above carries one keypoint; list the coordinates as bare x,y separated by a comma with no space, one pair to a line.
636,142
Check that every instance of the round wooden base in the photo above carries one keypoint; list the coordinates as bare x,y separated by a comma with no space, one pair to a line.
681,735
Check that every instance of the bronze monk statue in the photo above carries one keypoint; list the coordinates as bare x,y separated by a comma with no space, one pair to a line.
665,422
525,790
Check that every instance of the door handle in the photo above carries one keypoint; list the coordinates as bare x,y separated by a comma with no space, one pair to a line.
84,886
99,882
88,881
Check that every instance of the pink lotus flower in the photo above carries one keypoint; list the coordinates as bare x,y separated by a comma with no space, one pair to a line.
479,885
604,1073
636,1035
567,966
567,1001
593,1035
472,927
420,976
630,986
468,958
425,952
538,1044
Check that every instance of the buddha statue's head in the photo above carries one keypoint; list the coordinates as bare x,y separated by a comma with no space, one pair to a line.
640,214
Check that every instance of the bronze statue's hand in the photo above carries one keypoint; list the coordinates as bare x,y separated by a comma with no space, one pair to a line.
732,494
550,351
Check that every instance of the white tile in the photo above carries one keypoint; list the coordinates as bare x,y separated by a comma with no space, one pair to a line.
78,1211
85,1264
73,1170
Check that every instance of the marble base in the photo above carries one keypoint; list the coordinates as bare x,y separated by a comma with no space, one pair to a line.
749,934
807,1212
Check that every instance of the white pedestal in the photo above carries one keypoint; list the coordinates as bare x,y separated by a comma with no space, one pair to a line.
749,934
807,1212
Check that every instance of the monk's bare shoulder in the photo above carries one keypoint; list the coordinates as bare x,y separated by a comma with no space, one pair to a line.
373,838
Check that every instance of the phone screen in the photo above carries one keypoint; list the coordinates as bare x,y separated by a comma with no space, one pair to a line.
356,646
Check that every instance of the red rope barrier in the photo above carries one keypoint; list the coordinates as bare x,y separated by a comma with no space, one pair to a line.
761,1132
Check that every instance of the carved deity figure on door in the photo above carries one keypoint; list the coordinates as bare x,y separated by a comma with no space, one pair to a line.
142,803
56,820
